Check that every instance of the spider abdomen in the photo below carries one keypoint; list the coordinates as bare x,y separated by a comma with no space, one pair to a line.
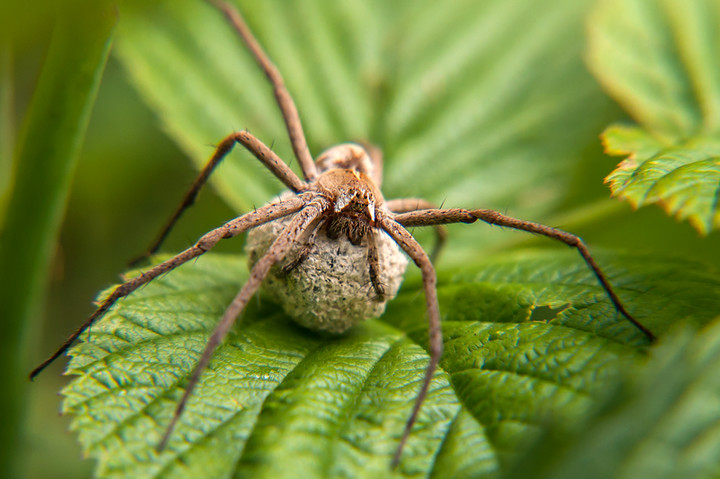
329,289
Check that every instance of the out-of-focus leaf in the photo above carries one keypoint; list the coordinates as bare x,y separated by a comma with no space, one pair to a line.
663,423
474,103
36,187
661,61
528,337
683,179
7,126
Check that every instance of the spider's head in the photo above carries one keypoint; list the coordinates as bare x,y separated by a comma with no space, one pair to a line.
354,198
346,179
352,193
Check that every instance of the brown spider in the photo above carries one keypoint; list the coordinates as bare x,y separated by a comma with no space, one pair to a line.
339,200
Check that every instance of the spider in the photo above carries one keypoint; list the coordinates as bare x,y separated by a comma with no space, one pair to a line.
338,201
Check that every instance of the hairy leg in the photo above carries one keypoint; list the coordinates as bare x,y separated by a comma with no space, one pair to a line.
432,217
301,254
284,100
415,251
276,252
403,205
374,263
204,244
257,148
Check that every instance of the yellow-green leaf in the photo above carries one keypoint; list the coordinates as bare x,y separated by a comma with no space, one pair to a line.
684,178
661,61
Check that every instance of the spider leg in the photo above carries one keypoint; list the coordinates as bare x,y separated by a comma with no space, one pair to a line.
204,244
304,250
374,264
282,95
276,252
403,238
257,148
403,205
457,215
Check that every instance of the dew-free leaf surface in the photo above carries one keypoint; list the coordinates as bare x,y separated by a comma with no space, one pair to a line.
663,422
474,104
683,178
661,61
528,337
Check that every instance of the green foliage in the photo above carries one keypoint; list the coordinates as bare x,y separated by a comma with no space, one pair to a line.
663,423
683,178
661,61
277,397
473,103
418,79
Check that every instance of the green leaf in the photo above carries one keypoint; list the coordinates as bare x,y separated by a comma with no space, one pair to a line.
473,103
662,423
684,178
661,61
7,126
528,337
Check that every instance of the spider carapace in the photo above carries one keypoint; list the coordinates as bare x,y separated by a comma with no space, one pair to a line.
346,180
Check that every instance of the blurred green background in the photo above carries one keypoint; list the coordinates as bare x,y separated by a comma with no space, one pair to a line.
129,178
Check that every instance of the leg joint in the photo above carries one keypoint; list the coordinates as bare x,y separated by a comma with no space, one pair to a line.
209,240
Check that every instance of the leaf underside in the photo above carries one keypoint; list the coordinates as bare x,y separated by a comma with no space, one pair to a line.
661,61
528,338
